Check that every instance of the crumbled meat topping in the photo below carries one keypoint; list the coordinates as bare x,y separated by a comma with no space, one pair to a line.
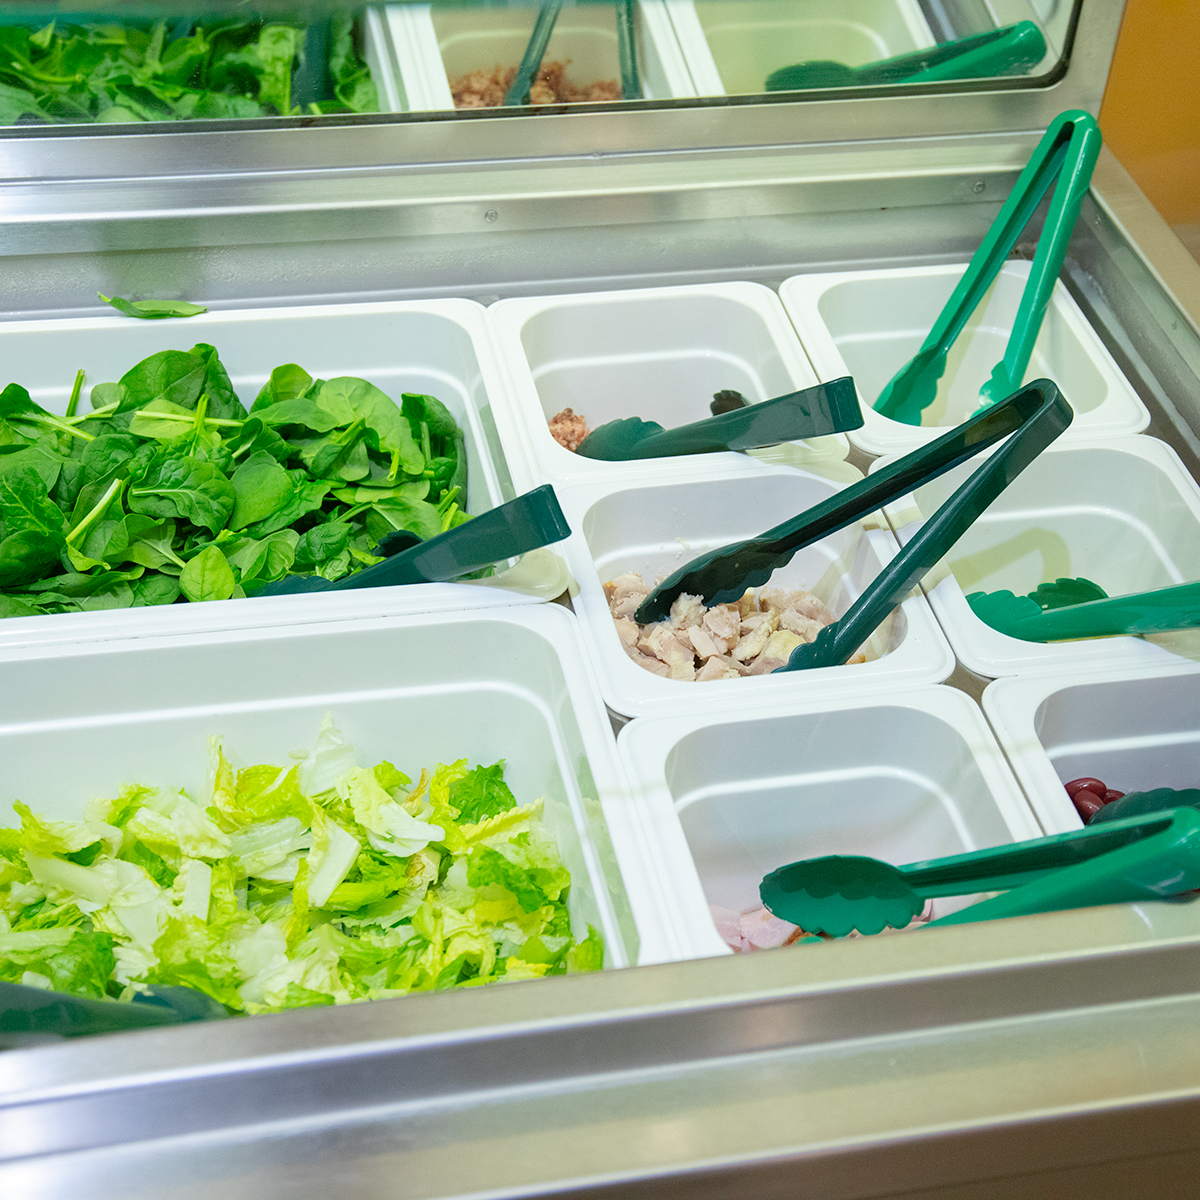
752,637
760,929
568,429
487,89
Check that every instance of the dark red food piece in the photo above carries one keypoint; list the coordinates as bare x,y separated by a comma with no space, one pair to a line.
1086,781
1112,794
1087,804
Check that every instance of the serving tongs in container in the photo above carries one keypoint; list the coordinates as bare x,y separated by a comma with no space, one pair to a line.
30,1014
1067,153
1150,857
1159,611
535,51
823,409
526,523
1011,50
1031,419
631,83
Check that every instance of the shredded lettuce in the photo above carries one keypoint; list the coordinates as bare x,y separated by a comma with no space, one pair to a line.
317,883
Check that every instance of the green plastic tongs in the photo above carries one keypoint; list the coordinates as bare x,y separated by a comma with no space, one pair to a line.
1067,153
1011,50
535,51
1149,857
1033,416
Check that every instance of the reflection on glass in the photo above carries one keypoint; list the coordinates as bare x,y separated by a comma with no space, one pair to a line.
180,69
317,58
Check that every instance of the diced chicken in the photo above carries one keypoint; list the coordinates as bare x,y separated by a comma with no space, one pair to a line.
662,641
776,652
748,603
798,623
703,643
729,925
646,661
627,631
724,625
764,931
755,619
718,667
687,611
751,644
625,593
804,603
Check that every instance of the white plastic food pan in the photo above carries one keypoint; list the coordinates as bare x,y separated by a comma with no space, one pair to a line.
1123,513
440,347
731,46
1136,730
655,529
870,323
506,684
437,44
380,60
654,353
729,796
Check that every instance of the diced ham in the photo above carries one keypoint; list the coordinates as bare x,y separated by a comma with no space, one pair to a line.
728,925
764,931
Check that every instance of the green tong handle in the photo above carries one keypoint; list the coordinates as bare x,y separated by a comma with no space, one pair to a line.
1067,152
823,409
723,575
31,1010
535,51
1011,50
1148,858
631,83
526,523
1145,612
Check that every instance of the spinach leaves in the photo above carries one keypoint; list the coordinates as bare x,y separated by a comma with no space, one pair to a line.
168,489
143,71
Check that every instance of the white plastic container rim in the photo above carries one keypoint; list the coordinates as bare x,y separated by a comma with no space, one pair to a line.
923,655
522,422
1012,706
292,688
646,744
422,73
1121,412
991,654
702,64
534,578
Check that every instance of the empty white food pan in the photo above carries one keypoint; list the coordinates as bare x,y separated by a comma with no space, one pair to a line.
654,353
728,796
1123,513
435,45
506,684
870,323
655,529
440,347
731,46
1135,730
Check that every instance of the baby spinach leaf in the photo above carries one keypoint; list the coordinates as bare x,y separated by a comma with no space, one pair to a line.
75,584
184,487
287,382
261,487
307,496
26,555
348,398
419,408
25,503
141,539
155,589
222,399
208,576
266,558
299,411
161,419
103,459
16,606
254,436
352,83
321,543
153,310
171,375
422,518
37,458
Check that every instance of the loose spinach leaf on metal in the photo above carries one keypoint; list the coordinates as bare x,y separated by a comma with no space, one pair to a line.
153,310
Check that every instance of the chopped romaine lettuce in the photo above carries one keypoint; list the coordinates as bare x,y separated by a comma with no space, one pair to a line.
321,883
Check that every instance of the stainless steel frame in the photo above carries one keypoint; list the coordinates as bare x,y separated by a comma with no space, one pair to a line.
1053,1056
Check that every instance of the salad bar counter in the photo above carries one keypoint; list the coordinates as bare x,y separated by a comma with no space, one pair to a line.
452,887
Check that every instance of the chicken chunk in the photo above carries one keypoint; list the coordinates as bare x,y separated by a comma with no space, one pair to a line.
662,641
687,611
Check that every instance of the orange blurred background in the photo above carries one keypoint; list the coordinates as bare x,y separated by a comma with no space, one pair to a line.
1151,111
